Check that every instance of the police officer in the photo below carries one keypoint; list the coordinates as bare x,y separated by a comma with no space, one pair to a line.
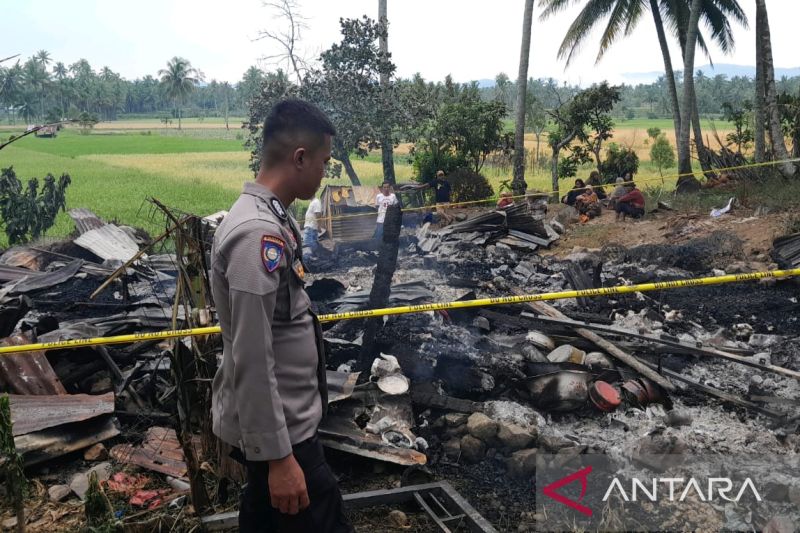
269,393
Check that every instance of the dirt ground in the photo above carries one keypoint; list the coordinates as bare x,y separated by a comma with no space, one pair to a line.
671,227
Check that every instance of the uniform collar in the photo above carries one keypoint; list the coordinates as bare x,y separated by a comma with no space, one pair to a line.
259,191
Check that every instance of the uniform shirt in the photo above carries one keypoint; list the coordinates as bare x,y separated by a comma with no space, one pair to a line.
383,201
269,391
314,209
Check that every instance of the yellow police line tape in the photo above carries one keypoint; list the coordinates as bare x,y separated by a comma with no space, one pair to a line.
549,192
420,308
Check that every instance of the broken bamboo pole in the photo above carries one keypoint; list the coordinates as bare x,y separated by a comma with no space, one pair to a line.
548,310
673,343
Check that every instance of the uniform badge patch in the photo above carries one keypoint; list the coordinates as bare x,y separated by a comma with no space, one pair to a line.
277,207
271,252
298,268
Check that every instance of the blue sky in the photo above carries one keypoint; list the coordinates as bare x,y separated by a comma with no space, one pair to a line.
469,39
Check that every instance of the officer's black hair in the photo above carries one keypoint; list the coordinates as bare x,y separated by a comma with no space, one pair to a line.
290,123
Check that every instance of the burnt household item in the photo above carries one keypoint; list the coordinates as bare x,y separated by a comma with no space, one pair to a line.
563,390
636,392
604,396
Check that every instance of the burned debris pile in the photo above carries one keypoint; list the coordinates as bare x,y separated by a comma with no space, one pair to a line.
454,408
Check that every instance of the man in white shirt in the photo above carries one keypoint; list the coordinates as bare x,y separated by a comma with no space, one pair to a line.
311,225
383,200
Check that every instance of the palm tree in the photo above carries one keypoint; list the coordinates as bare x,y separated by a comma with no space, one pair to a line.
687,106
623,17
518,183
36,77
60,73
770,100
43,57
178,80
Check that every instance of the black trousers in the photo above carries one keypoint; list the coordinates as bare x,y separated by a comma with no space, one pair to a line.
325,514
628,209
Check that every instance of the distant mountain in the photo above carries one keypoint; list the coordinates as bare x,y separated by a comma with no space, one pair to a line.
725,69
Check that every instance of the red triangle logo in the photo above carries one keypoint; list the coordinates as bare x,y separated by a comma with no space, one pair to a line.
550,490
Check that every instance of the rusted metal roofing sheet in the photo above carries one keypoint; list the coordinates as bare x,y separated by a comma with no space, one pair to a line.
160,452
85,220
56,441
23,257
34,413
109,242
27,373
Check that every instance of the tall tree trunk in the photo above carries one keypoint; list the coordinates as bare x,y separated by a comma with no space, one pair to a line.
387,143
669,73
518,184
764,50
684,150
342,155
760,111
700,145
554,173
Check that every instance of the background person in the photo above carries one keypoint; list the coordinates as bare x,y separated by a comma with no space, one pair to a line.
632,204
383,200
443,193
311,225
572,195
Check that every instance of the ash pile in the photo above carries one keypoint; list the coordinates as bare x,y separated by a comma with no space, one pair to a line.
697,370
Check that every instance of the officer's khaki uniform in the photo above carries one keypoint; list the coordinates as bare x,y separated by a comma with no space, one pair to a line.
269,392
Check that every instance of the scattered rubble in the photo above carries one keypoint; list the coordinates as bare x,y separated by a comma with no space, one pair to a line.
471,396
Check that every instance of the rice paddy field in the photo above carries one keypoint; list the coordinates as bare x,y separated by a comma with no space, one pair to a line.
201,168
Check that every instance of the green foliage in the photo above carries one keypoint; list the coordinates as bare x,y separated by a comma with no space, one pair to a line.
662,153
11,468
789,106
620,160
467,185
740,117
653,132
28,213
427,163
98,510
87,121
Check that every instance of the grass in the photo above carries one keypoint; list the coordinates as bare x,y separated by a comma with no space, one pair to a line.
70,143
202,169
116,193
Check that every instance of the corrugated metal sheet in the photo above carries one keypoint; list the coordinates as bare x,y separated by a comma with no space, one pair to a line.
34,413
23,257
85,220
43,280
53,442
160,452
109,242
27,373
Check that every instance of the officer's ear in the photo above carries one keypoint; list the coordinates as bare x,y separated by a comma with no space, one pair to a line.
299,157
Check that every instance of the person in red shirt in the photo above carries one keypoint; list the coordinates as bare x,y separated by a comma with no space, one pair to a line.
506,200
632,203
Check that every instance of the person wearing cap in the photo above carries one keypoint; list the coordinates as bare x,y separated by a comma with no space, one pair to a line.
618,192
269,393
588,205
631,204
443,191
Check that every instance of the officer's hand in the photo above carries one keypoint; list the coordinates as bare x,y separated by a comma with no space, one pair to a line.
287,485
